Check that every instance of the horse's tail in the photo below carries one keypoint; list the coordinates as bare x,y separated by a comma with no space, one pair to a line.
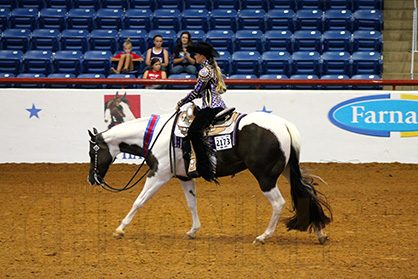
308,206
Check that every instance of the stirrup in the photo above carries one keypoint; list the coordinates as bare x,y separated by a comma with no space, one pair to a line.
192,169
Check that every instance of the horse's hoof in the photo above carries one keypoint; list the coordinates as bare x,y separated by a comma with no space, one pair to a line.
190,236
258,241
118,234
323,239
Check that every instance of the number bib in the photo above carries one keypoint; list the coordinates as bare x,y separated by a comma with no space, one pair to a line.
223,142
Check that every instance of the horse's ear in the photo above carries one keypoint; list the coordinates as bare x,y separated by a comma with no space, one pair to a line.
95,131
124,95
91,134
117,94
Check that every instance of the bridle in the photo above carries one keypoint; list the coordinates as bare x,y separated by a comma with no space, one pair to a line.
100,181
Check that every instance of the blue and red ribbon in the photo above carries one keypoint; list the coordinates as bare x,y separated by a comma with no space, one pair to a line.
152,123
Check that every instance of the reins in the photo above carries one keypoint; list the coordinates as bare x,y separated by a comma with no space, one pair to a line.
99,180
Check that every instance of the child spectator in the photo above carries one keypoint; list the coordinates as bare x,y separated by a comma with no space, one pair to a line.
184,61
157,52
155,72
125,59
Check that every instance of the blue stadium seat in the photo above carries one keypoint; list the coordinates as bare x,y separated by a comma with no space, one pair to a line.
304,87
222,40
26,18
336,63
61,76
249,40
59,4
75,39
369,77
368,4
283,4
227,4
138,19
38,61
335,19
116,4
273,76
335,87
68,61
11,61
46,39
246,62
138,39
53,18
10,4
104,39
242,76
224,19
4,18
6,75
79,18
254,19
367,40
143,4
367,62
255,4
169,38
29,75
276,62
368,20
166,19
196,35
311,4
97,61
281,19
33,4
180,76
337,40
224,61
339,4
195,19
87,4
16,39
308,19
198,4
108,18
306,62
278,40
170,4
307,40
120,76
90,86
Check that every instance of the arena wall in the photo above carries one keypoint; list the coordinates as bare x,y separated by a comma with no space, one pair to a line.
50,125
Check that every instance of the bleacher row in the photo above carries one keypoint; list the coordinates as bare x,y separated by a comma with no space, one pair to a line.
319,38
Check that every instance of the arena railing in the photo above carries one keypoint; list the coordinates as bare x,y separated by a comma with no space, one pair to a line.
251,82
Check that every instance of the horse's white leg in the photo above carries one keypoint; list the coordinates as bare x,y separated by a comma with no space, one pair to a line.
189,188
277,203
322,237
151,186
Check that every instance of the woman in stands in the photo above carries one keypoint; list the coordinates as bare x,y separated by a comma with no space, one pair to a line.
210,85
157,52
155,72
125,59
184,61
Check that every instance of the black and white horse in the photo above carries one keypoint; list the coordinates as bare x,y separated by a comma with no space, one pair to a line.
267,145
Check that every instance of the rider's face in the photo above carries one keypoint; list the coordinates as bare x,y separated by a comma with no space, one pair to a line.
200,58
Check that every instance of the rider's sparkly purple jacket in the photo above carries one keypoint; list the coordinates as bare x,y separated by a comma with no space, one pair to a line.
205,89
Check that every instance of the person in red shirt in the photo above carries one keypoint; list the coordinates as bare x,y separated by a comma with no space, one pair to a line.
155,72
125,59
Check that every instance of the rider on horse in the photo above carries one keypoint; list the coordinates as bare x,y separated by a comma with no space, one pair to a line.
210,85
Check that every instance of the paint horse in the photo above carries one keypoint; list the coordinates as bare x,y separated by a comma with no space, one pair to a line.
266,144
118,110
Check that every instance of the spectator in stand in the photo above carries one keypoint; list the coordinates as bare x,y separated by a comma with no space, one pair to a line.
157,52
125,59
155,72
184,61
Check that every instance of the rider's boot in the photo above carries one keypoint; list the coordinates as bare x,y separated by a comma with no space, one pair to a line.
192,171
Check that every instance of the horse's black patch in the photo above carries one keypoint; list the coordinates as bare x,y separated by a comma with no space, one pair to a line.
134,149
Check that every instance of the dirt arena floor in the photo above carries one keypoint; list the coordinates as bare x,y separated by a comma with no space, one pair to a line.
54,224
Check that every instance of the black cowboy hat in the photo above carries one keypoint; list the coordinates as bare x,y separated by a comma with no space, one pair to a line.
203,48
